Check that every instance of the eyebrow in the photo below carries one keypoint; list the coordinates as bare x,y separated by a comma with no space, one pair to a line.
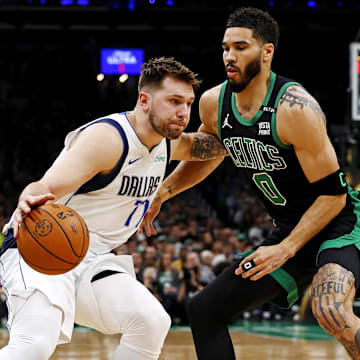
180,96
237,42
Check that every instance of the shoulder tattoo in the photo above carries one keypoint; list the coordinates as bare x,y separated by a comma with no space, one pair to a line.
296,96
206,146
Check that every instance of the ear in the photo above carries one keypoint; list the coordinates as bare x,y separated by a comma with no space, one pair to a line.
268,52
145,101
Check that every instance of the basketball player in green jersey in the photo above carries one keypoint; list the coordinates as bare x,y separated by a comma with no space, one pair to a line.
275,132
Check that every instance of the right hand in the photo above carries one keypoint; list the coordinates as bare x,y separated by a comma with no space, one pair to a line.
25,205
146,225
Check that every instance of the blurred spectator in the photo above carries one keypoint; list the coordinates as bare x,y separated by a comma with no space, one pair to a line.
168,286
178,264
206,273
207,239
150,257
150,281
242,244
170,248
192,230
138,265
161,243
256,232
191,283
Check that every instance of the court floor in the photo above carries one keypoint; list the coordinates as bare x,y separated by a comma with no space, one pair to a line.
91,345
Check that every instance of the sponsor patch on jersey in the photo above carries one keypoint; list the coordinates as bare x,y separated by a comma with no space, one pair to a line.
160,159
264,128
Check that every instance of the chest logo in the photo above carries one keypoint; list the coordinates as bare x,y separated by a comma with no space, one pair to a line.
226,122
132,161
264,128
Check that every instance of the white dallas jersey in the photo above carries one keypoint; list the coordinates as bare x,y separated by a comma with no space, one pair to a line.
114,204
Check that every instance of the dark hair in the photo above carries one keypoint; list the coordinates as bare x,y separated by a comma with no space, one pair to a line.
154,71
262,24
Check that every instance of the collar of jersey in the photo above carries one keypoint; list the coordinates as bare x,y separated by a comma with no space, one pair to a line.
259,112
140,143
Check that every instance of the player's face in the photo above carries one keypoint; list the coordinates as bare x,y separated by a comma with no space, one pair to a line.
242,57
169,113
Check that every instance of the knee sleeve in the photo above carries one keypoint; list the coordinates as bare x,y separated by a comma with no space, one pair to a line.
35,330
150,324
127,307
146,332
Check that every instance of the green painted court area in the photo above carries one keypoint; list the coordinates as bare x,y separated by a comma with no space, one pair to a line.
288,330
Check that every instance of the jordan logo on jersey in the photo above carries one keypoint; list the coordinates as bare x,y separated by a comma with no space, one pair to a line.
226,122
264,128
254,154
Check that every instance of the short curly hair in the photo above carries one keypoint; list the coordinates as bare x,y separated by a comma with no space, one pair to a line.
154,71
262,24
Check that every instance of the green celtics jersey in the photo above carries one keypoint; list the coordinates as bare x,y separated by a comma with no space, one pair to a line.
271,166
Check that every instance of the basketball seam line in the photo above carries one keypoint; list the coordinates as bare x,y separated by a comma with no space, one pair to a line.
55,256
83,232
62,231
45,268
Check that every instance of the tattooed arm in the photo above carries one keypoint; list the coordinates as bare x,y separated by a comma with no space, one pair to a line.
297,97
197,147
300,123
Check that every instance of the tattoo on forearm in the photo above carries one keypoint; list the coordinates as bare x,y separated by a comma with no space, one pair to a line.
206,147
169,189
296,96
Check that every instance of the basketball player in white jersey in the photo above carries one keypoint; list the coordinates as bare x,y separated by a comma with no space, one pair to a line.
109,171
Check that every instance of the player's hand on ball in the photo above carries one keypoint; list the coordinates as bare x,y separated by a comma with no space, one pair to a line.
24,207
263,261
147,225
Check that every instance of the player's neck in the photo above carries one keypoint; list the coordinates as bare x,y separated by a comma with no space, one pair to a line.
251,98
148,136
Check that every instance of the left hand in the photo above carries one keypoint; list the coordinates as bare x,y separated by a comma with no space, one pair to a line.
147,225
266,259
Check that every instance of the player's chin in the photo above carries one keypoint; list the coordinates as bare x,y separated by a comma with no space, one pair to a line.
172,135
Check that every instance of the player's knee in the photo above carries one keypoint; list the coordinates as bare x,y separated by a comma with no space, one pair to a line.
197,308
157,323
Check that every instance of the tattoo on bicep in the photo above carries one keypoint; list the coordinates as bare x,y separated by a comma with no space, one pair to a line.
295,96
206,147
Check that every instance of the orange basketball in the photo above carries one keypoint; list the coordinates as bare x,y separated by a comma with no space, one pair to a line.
53,239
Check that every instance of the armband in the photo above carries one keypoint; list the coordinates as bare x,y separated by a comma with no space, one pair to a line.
333,184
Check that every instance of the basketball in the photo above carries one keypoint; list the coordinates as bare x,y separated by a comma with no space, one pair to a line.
53,239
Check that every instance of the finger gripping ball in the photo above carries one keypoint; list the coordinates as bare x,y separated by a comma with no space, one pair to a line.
53,239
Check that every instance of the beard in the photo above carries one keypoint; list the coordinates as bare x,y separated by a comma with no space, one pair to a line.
162,128
251,70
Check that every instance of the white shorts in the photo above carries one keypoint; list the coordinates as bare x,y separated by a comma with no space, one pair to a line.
19,281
